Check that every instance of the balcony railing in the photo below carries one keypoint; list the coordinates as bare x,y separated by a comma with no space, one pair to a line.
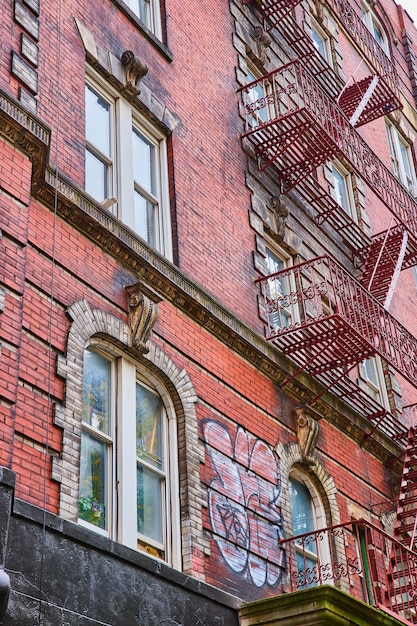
360,559
291,119
366,42
324,319
386,94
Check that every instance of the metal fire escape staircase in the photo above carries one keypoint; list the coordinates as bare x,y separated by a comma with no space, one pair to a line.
297,126
405,528
375,94
362,101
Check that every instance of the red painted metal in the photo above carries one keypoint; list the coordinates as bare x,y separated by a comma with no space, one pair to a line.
405,528
384,258
361,559
334,321
385,98
367,44
296,123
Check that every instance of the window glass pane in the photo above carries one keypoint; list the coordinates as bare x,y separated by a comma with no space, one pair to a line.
341,190
96,391
301,510
144,224
278,287
92,504
319,43
143,162
96,177
149,504
97,121
149,431
256,94
142,9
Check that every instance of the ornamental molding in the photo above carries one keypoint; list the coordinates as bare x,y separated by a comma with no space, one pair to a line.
143,314
55,191
135,70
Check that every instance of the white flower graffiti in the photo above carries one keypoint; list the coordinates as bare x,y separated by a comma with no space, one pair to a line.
243,503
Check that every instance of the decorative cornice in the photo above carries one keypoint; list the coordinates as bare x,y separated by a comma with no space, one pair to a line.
99,225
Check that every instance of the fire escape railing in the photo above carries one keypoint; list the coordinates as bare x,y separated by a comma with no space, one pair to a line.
324,319
296,122
366,42
361,559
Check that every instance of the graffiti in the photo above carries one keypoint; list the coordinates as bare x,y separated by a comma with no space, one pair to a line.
243,503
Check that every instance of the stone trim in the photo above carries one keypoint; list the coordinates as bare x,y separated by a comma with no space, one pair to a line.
87,323
113,70
291,457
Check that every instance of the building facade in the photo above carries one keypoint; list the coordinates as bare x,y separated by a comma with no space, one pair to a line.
208,335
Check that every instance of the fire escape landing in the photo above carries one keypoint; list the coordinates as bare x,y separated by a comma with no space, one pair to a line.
324,319
296,126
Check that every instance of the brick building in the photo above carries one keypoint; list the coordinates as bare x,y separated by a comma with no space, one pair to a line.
208,335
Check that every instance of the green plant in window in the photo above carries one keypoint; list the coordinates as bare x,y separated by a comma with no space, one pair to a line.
90,510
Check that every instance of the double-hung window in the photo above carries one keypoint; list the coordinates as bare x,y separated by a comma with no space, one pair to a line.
343,190
307,516
257,108
126,166
148,11
321,42
372,374
401,158
128,469
278,291
375,27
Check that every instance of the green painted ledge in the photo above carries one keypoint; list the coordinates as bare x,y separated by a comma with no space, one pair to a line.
320,606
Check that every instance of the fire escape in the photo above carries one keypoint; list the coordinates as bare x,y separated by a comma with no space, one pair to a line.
298,117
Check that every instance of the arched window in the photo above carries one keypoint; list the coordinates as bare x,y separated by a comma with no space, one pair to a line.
307,516
128,469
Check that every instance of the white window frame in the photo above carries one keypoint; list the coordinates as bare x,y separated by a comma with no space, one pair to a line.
125,118
255,93
152,19
316,29
319,516
337,169
375,27
401,158
374,380
292,310
122,494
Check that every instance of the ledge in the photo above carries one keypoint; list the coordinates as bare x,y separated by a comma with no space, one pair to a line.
320,606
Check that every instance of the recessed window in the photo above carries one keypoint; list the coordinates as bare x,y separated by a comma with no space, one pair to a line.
128,471
375,27
279,289
321,42
307,517
255,99
126,166
148,11
371,373
401,158
343,189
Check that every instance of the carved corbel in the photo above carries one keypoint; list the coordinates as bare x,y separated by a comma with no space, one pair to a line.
135,70
263,41
143,313
307,433
281,212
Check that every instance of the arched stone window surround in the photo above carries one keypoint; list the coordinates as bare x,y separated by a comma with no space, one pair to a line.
89,325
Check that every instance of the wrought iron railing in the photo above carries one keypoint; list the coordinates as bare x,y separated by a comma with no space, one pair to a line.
366,42
290,118
323,318
359,558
